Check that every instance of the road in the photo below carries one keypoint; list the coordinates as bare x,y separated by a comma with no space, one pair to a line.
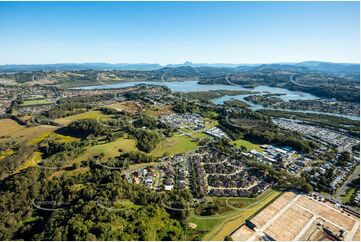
235,188
229,82
259,231
245,125
298,84
234,125
355,174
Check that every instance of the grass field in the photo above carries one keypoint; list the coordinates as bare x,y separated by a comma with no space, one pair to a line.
11,128
346,198
201,135
249,145
109,149
86,115
187,130
222,225
69,173
156,111
128,106
53,136
77,187
6,153
35,102
210,123
34,159
175,145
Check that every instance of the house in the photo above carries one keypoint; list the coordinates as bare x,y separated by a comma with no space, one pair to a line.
168,187
149,181
136,180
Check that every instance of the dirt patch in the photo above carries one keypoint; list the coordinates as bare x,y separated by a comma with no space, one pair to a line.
130,107
192,225
304,219
294,219
327,212
260,219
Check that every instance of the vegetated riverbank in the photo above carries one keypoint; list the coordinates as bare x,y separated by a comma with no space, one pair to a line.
212,94
227,93
319,105
351,126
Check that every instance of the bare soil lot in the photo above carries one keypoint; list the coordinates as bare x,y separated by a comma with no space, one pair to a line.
299,217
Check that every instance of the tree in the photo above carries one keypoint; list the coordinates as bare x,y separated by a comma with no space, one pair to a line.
307,187
345,156
344,159
228,238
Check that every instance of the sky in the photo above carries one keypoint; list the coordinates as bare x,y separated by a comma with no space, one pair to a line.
175,32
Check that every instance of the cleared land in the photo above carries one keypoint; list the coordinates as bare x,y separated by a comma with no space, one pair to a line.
6,153
249,145
294,219
35,102
34,159
157,111
109,149
174,145
327,212
54,136
11,128
222,225
131,107
272,209
87,115
299,217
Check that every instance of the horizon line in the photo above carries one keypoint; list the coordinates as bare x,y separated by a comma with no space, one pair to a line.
182,63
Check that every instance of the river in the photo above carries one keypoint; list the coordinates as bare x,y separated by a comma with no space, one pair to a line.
193,86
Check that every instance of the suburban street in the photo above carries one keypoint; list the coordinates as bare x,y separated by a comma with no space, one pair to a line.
355,174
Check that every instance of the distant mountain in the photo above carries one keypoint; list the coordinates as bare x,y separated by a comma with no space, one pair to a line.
274,67
220,65
348,68
344,68
79,66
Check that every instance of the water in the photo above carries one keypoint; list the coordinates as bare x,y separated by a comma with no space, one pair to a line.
193,86
254,106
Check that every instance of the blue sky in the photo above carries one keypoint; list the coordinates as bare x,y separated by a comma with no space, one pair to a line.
175,32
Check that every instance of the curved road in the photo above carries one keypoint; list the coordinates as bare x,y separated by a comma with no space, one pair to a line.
229,82
296,83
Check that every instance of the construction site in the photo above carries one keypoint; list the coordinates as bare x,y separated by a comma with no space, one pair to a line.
302,218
